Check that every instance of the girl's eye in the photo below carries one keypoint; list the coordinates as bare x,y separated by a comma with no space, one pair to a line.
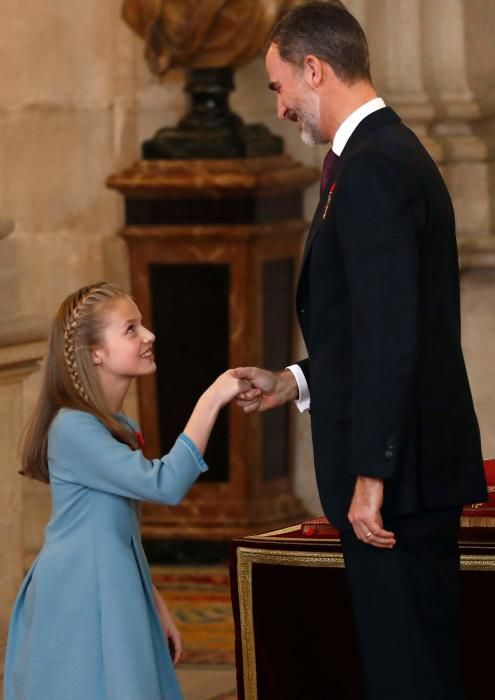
131,329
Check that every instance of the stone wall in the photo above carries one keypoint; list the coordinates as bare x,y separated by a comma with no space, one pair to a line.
76,100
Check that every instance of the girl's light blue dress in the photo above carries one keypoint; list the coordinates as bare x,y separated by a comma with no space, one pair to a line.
84,625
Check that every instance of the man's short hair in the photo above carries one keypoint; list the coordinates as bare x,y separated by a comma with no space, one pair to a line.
328,31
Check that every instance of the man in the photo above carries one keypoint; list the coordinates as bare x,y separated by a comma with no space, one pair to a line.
395,436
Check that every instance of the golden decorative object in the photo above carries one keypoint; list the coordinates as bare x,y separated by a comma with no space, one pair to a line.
202,33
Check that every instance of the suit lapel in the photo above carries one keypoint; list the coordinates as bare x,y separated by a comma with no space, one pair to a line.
374,121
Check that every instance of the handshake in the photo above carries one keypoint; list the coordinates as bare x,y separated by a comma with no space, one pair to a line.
254,389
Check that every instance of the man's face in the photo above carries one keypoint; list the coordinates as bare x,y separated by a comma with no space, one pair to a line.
296,100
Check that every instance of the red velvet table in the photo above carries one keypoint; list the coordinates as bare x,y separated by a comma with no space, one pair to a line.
294,631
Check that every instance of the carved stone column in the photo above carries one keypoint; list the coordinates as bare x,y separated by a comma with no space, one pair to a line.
459,58
21,348
395,34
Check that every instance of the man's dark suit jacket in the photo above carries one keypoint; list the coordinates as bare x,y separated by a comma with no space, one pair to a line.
378,305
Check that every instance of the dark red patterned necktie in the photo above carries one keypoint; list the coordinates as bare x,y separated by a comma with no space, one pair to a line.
328,165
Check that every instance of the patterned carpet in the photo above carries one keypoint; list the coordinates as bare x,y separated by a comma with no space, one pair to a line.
199,598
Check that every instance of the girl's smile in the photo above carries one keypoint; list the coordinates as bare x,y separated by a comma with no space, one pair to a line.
126,351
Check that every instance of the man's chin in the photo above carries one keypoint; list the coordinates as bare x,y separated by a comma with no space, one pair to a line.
311,140
308,139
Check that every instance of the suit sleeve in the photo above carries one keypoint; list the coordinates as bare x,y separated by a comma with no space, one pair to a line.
83,451
304,365
378,219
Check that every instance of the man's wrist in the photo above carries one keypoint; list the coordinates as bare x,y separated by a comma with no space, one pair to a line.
287,388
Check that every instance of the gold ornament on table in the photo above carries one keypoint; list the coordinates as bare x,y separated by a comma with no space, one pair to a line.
208,38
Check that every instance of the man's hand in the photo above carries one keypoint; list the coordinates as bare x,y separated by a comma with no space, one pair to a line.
365,516
269,389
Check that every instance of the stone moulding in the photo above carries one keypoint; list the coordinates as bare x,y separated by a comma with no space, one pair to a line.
476,253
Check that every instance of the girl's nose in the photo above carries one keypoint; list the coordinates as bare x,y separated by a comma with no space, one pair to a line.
149,337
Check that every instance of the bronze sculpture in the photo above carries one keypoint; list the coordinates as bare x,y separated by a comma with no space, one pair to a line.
209,38
202,33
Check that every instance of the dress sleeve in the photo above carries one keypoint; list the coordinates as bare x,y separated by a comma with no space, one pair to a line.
82,451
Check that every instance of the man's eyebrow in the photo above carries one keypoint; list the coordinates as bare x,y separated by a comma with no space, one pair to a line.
274,85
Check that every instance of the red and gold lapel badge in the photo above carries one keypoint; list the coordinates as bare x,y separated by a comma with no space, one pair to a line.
329,200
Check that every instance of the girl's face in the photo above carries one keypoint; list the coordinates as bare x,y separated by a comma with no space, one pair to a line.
127,348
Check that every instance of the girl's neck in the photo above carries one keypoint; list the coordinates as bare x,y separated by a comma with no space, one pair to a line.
115,393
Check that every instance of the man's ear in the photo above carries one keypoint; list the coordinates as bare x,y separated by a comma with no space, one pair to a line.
313,71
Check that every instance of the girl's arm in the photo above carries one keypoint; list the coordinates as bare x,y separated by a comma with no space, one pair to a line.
82,451
170,631
205,413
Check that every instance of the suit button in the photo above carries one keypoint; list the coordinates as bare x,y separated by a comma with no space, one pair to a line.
302,311
389,454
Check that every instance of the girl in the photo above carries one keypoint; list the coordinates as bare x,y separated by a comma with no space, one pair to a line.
87,623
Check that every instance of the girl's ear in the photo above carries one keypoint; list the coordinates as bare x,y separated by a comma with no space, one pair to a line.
96,357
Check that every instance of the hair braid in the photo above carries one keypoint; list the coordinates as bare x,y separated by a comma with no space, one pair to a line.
80,300
70,378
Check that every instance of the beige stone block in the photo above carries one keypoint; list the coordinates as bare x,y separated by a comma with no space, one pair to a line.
54,264
61,52
10,497
55,166
159,103
469,186
116,262
124,125
478,336
479,20
9,291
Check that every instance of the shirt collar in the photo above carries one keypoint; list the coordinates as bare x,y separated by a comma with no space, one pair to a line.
343,133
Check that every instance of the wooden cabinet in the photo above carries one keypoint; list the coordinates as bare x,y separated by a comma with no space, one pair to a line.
214,251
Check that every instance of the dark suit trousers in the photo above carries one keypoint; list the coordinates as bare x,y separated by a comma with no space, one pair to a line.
407,608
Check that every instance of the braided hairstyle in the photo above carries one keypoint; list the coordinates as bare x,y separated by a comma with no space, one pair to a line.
78,303
70,379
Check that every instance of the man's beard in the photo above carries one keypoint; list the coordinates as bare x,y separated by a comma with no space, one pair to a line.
308,122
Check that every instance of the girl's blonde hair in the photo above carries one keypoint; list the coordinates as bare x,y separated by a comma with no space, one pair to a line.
70,379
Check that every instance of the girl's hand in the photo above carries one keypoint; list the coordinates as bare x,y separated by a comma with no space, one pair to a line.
175,640
170,631
226,387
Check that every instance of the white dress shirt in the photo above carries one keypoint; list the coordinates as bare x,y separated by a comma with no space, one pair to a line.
342,136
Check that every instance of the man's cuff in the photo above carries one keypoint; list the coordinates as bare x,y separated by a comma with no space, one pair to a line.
303,403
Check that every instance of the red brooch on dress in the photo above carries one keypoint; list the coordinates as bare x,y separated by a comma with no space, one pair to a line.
329,200
140,440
